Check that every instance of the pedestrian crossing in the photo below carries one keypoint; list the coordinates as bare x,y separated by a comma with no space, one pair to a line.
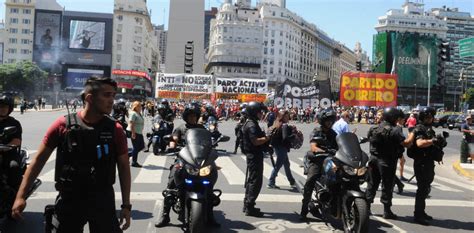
155,170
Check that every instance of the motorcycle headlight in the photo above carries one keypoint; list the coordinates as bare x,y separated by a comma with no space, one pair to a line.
156,125
361,171
205,171
192,171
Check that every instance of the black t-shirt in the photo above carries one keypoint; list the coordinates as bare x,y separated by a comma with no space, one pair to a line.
251,131
329,137
10,121
421,132
180,132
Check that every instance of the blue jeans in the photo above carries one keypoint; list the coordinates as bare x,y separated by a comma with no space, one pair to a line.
138,145
282,160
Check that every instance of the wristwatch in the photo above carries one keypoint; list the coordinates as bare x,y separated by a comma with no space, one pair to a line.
128,207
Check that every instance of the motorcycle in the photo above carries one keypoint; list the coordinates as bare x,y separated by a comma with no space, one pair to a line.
198,174
9,191
212,126
337,192
159,129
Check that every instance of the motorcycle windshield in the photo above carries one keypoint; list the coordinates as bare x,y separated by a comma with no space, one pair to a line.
198,146
349,151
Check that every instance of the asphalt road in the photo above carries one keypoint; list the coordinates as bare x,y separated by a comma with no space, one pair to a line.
451,202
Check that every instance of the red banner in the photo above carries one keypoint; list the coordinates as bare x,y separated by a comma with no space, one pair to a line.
368,89
125,85
135,73
168,94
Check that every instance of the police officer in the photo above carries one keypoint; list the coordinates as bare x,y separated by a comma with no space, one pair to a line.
10,161
326,119
190,115
385,142
238,129
254,143
424,152
90,145
157,120
120,113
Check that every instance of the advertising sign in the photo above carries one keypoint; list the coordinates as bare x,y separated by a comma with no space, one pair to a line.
47,30
466,47
292,95
76,78
184,83
415,58
241,86
379,55
135,73
368,89
87,35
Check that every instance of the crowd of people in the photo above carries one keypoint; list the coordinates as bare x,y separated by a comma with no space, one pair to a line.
88,197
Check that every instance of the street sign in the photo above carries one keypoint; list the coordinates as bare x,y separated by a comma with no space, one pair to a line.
466,47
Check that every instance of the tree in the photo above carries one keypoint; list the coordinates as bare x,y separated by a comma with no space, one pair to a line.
21,76
470,97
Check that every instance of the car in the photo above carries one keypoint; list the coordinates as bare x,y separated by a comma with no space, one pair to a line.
452,120
441,119
460,121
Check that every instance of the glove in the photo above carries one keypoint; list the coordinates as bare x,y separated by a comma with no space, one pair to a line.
440,141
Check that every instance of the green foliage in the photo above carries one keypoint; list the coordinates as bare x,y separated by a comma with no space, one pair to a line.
21,76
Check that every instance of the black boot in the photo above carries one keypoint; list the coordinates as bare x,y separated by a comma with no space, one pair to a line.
427,217
211,221
304,211
388,214
250,210
165,215
421,219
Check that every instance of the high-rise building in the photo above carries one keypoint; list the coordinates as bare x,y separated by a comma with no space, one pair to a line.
235,48
186,24
407,43
18,36
2,40
362,57
460,26
208,16
135,57
279,3
161,35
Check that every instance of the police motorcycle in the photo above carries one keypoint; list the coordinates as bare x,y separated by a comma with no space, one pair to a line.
7,192
159,129
337,192
198,173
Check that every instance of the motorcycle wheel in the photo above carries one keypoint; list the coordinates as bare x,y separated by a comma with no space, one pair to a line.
196,216
357,217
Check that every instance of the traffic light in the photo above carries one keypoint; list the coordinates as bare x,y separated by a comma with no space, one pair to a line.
188,57
359,66
443,57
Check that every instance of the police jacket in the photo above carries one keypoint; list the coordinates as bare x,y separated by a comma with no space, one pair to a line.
327,141
180,132
250,131
385,140
422,132
86,155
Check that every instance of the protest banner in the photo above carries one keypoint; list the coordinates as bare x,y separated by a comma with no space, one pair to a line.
241,86
368,89
292,95
184,83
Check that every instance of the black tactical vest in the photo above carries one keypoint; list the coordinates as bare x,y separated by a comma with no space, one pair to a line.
86,155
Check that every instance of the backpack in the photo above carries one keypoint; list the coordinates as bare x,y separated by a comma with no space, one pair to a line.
297,138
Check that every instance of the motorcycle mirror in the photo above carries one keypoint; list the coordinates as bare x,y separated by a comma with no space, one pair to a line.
9,130
445,134
148,135
363,140
224,138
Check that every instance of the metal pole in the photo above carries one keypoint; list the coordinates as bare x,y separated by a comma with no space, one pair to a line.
429,79
414,101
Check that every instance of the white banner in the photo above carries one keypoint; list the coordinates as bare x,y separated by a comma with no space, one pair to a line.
184,82
242,86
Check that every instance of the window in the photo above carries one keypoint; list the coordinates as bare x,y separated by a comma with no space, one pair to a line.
25,51
26,21
25,31
13,20
119,27
138,49
27,11
119,47
13,30
14,10
12,40
138,29
137,59
12,51
119,57
25,41
119,37
120,17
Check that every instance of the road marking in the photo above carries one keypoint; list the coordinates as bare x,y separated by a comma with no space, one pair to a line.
295,167
380,219
443,187
232,173
152,170
151,226
277,198
49,176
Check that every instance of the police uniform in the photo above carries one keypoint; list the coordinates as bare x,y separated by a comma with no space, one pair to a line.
85,173
423,165
315,163
251,131
9,161
385,143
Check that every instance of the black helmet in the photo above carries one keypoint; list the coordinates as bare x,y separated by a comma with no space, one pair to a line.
391,115
326,114
253,108
160,107
7,100
426,112
191,109
165,102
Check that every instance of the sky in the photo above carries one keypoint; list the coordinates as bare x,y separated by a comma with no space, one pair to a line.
347,21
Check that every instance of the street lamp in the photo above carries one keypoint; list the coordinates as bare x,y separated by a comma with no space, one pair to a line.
414,100
454,97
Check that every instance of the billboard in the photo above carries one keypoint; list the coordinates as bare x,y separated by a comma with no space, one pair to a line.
293,95
414,58
241,86
380,56
368,89
184,83
86,35
75,78
47,30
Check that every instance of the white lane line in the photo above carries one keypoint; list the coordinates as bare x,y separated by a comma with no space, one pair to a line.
295,167
447,180
49,175
151,224
380,219
281,198
152,170
231,172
